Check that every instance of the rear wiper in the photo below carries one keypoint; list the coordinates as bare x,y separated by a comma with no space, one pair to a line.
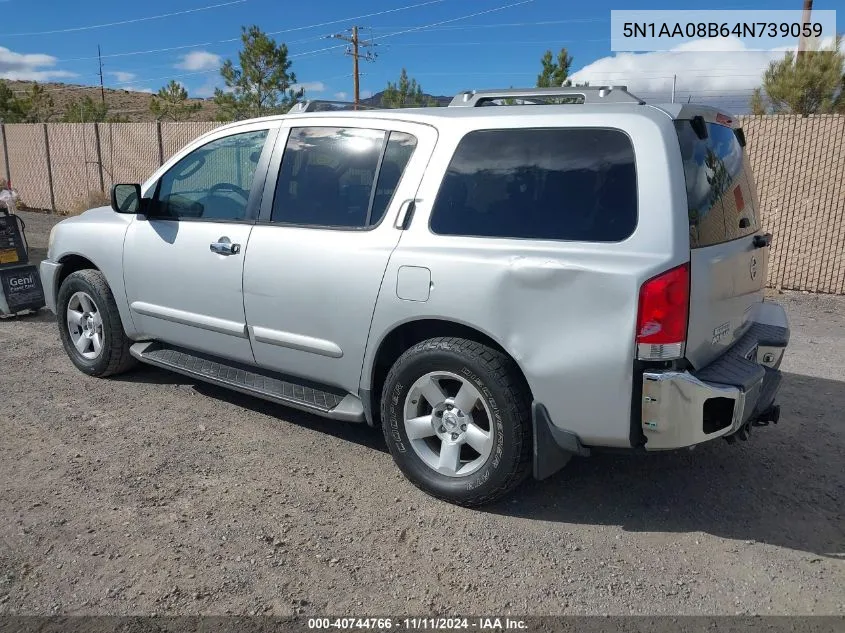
763,240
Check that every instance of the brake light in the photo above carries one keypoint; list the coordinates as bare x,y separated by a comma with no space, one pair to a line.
662,315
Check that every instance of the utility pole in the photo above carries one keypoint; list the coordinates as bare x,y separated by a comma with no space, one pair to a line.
102,89
354,50
805,19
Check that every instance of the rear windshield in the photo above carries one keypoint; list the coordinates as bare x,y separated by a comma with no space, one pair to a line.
721,199
547,184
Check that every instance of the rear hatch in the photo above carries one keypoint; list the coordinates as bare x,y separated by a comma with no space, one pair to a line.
728,265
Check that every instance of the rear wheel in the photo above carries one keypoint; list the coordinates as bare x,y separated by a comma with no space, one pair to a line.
456,418
90,327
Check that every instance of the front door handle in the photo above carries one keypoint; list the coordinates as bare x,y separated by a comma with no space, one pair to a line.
224,246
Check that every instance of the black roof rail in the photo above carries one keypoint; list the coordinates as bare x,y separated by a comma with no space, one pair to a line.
545,96
320,105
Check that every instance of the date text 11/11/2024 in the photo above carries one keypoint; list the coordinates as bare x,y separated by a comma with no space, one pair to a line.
424,624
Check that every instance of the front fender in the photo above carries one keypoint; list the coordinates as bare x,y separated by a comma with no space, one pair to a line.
96,236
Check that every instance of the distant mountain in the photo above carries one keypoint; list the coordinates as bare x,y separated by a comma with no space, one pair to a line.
375,100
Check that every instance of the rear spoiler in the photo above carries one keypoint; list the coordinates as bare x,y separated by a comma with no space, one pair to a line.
699,126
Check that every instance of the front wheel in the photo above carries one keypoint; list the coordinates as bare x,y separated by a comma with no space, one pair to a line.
90,327
456,418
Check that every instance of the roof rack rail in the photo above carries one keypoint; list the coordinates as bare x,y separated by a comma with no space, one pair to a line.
319,105
541,96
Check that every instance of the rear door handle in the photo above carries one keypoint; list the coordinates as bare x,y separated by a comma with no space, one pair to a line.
761,241
405,215
224,246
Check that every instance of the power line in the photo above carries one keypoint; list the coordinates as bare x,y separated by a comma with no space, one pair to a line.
235,39
132,21
462,27
360,17
463,17
416,28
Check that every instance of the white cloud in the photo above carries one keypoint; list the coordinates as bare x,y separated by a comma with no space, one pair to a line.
699,70
122,76
310,86
29,67
366,94
199,60
147,90
341,96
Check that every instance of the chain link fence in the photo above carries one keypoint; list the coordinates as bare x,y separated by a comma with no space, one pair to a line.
798,163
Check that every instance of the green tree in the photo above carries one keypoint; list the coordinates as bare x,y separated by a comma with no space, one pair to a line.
262,85
171,102
406,93
86,110
555,71
807,84
38,105
11,108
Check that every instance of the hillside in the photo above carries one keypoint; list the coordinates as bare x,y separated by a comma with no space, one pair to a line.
130,104
135,106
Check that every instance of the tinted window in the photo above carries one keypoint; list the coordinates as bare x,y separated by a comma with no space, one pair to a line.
720,195
400,146
327,176
213,181
550,184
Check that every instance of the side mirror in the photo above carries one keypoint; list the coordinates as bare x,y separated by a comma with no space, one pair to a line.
126,198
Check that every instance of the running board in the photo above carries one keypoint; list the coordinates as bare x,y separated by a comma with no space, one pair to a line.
292,392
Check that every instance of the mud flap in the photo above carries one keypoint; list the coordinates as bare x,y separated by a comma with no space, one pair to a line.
553,447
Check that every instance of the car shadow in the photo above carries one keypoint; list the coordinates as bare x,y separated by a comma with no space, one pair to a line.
361,434
783,487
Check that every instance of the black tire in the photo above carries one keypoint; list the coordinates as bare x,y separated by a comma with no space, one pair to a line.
505,393
114,357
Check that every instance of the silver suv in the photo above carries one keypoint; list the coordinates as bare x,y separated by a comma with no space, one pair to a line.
498,288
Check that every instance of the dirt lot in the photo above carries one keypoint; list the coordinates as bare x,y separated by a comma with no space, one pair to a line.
154,494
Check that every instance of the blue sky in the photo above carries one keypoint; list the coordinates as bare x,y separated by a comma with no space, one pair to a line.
500,46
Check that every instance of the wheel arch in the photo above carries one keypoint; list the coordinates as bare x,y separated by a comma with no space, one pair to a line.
71,263
405,335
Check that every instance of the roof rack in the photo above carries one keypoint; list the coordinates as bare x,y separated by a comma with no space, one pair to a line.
542,96
319,105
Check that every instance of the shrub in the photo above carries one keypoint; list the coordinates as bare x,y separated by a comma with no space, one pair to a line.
94,198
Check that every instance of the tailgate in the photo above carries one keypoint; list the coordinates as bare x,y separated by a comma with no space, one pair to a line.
728,255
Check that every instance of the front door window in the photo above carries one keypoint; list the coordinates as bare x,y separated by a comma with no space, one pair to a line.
212,182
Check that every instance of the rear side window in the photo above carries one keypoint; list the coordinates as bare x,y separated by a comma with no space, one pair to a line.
721,200
548,184
339,177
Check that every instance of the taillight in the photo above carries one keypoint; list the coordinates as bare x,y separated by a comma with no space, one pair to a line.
662,315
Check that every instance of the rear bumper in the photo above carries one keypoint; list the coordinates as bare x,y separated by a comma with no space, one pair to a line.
681,409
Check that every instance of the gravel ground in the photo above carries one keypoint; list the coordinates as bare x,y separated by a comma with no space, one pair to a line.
151,493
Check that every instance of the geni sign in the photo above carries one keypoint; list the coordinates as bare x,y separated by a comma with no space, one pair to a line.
27,281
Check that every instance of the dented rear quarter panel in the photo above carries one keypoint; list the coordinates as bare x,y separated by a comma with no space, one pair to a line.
565,311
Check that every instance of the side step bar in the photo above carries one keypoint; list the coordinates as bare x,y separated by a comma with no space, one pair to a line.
254,381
